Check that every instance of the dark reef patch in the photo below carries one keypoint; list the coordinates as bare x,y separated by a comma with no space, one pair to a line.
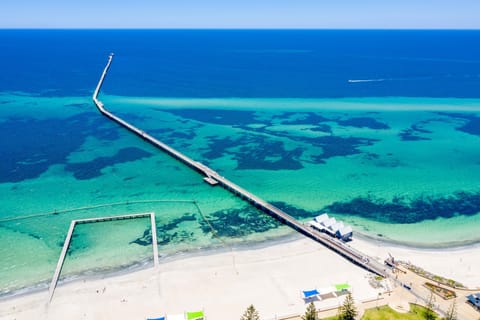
218,147
331,145
239,222
418,127
257,148
335,146
404,210
411,135
471,125
166,233
363,122
92,169
255,152
172,136
295,212
414,132
76,244
256,157
322,128
299,118
30,146
311,118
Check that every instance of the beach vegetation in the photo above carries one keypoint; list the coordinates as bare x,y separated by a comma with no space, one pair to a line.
348,311
428,313
442,292
250,314
452,311
449,282
311,312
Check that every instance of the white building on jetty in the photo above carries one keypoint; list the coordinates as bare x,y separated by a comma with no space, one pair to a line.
332,227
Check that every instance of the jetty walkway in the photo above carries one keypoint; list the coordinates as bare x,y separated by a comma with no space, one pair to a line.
213,178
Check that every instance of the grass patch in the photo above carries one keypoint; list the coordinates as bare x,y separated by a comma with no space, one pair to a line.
386,313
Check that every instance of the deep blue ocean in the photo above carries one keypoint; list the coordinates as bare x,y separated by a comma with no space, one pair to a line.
243,63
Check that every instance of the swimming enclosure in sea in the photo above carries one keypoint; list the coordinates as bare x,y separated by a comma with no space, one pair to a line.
393,167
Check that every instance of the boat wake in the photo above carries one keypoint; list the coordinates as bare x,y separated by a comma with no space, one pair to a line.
365,80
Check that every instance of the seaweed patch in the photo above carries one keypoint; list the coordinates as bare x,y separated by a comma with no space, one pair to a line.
255,152
414,132
239,222
363,122
335,146
405,210
30,146
295,212
92,169
471,123
167,233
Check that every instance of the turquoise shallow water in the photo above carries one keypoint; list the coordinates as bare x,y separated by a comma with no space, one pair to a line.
400,169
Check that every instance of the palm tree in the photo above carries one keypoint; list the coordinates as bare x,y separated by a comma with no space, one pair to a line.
250,314
310,313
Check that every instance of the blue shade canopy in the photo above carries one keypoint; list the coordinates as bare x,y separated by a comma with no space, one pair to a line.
474,299
310,293
161,318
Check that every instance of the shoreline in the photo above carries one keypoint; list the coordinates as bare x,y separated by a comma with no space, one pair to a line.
147,263
270,275
444,246
374,247
281,270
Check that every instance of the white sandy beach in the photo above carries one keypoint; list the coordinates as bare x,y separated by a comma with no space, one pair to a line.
224,284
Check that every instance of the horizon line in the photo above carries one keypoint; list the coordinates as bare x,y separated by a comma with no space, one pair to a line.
239,28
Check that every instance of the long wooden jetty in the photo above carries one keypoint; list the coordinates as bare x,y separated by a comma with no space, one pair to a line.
214,178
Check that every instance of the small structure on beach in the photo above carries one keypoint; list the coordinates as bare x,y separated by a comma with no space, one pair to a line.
309,295
325,292
332,227
474,299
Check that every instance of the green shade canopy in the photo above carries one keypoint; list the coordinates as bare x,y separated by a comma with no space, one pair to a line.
342,286
195,315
